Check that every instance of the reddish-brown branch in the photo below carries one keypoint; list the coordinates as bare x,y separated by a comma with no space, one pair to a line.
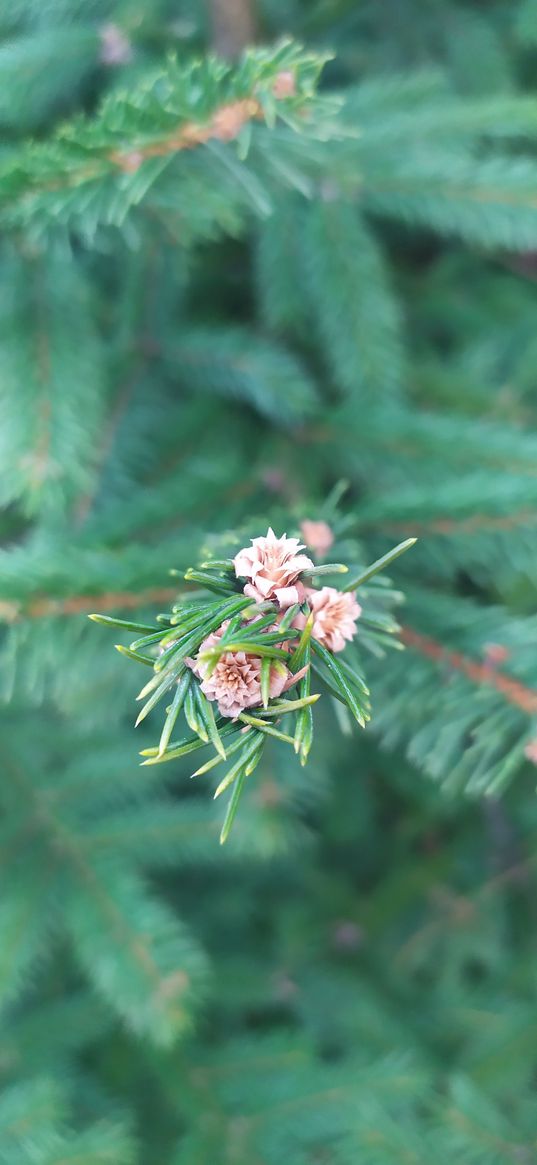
471,525
512,690
13,612
480,673
225,125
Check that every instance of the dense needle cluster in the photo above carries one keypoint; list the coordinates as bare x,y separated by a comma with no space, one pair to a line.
240,664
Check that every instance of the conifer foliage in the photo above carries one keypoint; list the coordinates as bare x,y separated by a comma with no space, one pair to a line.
293,287
251,645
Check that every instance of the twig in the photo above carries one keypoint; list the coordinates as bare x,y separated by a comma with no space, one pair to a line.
512,690
471,525
14,612
224,125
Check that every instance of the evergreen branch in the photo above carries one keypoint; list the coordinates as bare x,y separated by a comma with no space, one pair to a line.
13,612
158,399
512,690
68,846
487,201
496,196
225,125
161,832
86,501
473,525
458,910
177,108
48,338
422,435
223,361
133,948
353,307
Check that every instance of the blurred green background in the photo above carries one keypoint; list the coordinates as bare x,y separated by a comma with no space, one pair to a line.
208,339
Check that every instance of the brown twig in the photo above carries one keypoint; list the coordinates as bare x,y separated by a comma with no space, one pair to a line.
14,612
471,525
512,690
224,125
480,673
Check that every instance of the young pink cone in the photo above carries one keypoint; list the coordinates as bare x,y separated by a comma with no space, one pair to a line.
116,48
317,536
334,617
273,565
235,683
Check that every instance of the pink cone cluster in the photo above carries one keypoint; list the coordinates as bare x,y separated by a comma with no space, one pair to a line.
273,567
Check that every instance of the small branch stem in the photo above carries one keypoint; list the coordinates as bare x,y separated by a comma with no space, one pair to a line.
15,612
459,526
480,673
224,125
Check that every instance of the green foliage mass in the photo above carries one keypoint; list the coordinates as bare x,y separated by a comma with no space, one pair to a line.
225,287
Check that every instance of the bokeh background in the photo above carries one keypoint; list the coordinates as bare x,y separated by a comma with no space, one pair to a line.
205,340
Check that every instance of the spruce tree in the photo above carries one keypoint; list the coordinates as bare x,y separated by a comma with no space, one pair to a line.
250,284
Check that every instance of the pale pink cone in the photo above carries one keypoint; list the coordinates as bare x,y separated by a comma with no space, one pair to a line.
334,617
284,84
495,653
235,683
273,566
116,48
317,536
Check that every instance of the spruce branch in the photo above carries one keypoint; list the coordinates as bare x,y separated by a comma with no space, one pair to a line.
14,612
225,125
512,690
131,946
475,524
232,655
152,388
121,152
